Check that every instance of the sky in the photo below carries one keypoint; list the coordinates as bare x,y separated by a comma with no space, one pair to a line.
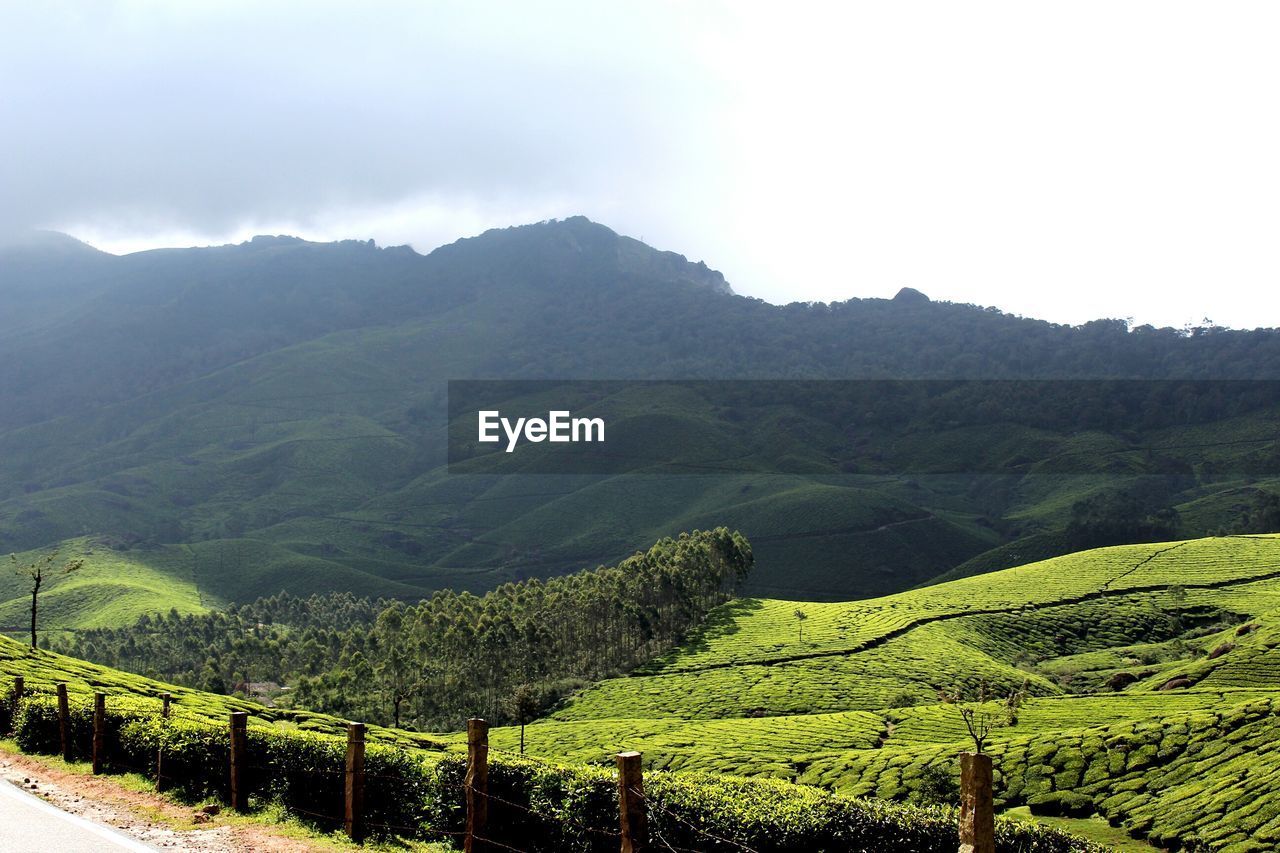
1066,161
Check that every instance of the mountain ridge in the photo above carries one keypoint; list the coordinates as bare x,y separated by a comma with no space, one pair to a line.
273,412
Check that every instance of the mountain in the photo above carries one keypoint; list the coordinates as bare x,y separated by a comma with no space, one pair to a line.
272,415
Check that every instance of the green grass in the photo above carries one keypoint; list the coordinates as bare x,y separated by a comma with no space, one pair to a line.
42,670
854,707
767,632
1210,774
112,588
1092,828
756,747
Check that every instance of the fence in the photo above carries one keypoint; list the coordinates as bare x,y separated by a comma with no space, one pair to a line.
493,801
245,772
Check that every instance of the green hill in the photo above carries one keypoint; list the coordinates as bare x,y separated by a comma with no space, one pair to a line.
273,416
1151,671
42,670
415,784
1148,677
111,588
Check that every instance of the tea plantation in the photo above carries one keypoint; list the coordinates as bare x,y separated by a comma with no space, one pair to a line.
1151,677
415,789
42,670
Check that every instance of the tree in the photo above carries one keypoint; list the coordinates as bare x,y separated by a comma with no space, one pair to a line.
452,655
524,705
395,667
938,786
1118,518
1264,514
800,617
983,712
1178,598
36,571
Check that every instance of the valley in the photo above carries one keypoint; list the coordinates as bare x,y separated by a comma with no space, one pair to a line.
846,523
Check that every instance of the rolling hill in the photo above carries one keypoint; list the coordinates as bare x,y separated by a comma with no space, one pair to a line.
272,415
1150,671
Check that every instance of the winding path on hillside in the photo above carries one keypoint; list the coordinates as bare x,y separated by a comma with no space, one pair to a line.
920,621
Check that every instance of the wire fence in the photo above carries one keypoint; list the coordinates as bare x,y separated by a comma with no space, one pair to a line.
537,805
328,801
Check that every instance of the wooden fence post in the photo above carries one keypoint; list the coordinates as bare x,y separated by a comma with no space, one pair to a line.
977,811
353,811
477,786
631,808
64,721
239,761
164,715
99,731
19,689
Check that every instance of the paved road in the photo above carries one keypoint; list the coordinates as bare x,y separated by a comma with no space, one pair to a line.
30,825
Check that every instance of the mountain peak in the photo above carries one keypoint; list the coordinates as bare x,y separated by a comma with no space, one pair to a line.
45,242
264,241
588,247
911,296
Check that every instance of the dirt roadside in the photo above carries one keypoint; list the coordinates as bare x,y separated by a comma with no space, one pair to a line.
145,816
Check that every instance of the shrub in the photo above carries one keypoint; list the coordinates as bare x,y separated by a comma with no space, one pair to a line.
1062,804
905,699
534,806
6,707
937,786
196,755
1121,680
35,725
1221,650
302,771
540,808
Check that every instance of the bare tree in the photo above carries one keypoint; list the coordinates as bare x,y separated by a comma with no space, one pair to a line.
983,711
800,617
36,571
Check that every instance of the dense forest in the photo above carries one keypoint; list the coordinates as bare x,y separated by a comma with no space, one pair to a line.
582,299
507,655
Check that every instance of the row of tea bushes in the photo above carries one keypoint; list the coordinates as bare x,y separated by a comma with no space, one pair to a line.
535,806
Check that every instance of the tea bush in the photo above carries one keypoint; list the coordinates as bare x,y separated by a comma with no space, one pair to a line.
534,805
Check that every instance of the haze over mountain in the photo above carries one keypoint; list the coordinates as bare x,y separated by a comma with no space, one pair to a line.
271,415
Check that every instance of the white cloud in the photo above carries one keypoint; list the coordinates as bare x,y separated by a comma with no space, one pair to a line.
1064,161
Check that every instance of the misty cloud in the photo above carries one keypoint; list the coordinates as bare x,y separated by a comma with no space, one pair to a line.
1058,162
205,117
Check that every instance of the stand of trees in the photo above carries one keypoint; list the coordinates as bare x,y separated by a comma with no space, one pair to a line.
1119,518
507,655
1261,516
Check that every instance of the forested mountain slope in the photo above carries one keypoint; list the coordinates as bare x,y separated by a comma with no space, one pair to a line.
271,416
